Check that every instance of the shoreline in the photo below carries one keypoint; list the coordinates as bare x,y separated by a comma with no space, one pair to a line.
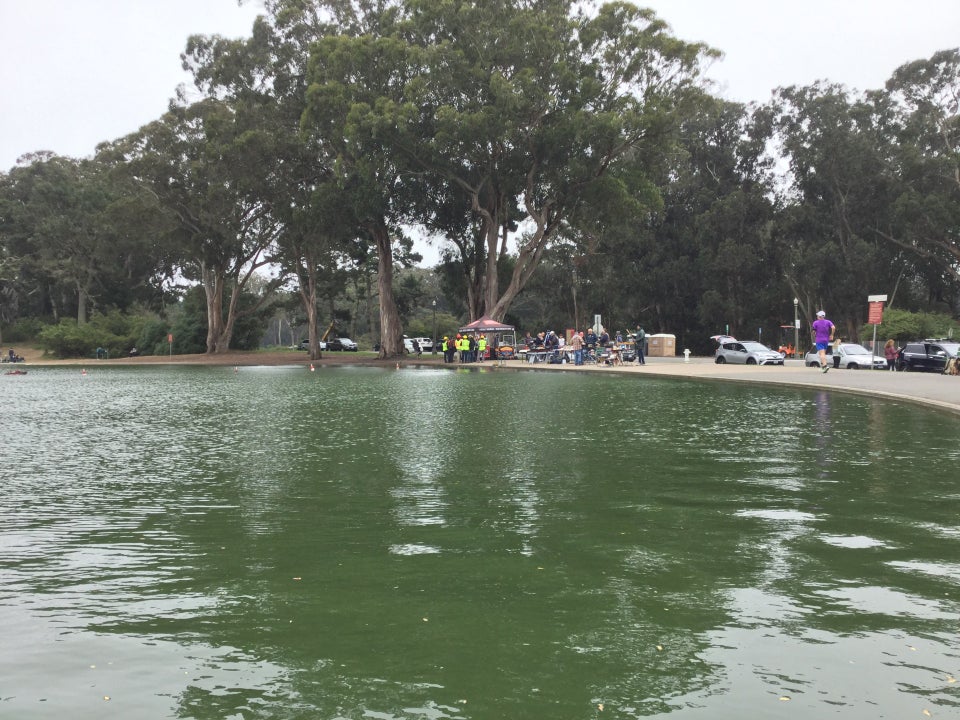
931,390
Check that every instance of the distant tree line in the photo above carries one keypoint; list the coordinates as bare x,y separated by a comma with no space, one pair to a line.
567,161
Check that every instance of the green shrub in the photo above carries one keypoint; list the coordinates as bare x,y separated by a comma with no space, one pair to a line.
249,328
69,340
190,323
903,326
113,331
153,337
119,332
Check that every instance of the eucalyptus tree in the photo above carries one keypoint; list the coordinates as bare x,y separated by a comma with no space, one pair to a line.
210,163
736,264
523,108
67,224
701,258
270,68
354,72
839,192
924,120
15,224
50,212
267,71
9,283
314,249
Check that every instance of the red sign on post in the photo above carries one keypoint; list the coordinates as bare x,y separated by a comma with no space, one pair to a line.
875,313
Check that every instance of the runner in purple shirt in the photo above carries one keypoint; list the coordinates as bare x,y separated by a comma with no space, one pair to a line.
823,335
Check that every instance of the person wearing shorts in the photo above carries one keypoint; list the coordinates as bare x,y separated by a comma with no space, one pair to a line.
823,331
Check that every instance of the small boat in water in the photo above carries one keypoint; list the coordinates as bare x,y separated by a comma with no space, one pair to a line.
15,372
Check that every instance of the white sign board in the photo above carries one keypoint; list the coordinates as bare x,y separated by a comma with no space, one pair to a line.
876,298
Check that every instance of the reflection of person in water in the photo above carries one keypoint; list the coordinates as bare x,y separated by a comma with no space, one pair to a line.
824,458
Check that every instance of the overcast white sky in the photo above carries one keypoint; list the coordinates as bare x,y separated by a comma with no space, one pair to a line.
74,73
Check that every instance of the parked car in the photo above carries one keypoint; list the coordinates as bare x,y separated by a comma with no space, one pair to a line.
426,344
745,352
305,345
343,343
847,355
930,355
331,344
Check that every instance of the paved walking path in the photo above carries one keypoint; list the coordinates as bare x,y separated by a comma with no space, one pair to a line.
933,389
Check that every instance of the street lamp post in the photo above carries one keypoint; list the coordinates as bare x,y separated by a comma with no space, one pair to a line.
434,326
796,328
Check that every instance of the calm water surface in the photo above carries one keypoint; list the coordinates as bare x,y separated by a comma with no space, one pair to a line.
427,544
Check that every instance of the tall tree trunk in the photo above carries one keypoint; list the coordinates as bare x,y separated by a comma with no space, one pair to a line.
391,329
527,261
490,286
226,326
213,289
531,252
371,316
576,309
81,305
307,276
310,305
357,306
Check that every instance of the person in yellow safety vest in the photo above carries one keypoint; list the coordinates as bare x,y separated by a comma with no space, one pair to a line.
443,348
461,347
482,348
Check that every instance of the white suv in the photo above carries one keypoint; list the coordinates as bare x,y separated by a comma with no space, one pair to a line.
426,344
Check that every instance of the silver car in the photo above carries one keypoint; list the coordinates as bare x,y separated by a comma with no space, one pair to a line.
745,352
847,355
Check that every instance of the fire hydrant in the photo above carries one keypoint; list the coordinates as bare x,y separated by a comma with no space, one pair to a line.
686,355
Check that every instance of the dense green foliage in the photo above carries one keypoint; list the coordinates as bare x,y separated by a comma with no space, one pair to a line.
903,326
568,163
114,332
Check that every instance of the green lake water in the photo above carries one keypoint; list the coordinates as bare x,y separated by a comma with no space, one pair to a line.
435,543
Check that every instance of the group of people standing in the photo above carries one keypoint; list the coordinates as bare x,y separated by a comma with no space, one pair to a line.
582,342
469,348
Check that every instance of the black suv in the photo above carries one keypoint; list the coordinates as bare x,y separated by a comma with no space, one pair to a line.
927,355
